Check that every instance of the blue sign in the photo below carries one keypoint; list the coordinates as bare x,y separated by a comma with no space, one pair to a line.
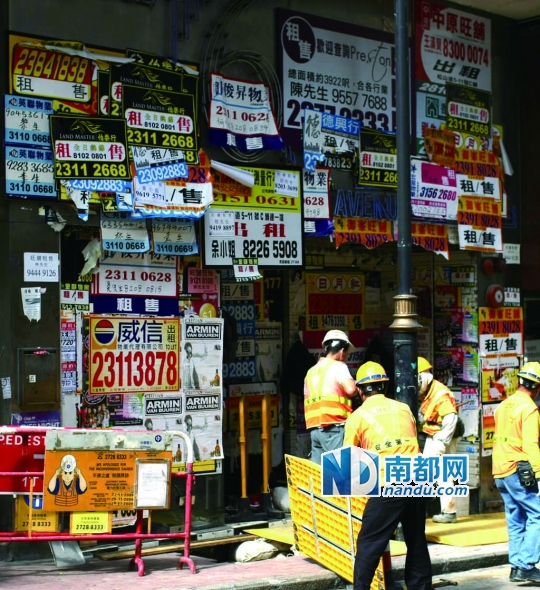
350,471
160,173
30,173
50,418
27,121
139,305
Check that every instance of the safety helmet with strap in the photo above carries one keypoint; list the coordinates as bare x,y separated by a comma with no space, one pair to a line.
530,372
370,372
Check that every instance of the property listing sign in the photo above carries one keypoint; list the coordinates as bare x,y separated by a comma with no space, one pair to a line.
335,300
330,139
433,190
468,110
129,354
501,331
266,225
119,233
27,124
241,115
336,68
136,274
452,46
30,173
316,198
89,147
378,159
36,71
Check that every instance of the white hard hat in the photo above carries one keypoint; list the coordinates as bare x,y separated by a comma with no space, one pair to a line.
337,335
68,463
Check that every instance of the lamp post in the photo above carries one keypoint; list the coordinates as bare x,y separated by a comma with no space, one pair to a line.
405,324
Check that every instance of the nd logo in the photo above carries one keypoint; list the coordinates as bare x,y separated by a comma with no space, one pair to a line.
350,471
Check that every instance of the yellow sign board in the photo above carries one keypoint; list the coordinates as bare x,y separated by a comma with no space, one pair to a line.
130,355
89,523
84,480
42,521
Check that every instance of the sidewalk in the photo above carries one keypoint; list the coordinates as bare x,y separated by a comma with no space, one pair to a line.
286,573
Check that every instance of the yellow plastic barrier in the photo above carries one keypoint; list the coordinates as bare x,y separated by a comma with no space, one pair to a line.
325,528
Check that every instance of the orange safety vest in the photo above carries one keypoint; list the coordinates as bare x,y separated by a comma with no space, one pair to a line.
508,439
67,496
325,402
383,425
438,402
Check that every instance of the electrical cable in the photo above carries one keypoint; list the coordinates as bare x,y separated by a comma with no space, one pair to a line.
217,60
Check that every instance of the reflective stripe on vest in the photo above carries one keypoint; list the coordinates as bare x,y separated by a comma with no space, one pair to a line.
518,442
324,407
429,407
388,440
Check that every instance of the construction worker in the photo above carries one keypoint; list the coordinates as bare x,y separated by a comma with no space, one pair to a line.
328,389
438,418
516,468
387,427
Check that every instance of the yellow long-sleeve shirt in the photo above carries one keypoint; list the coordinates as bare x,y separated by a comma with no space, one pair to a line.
517,432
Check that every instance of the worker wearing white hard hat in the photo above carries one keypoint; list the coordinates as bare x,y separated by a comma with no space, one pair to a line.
328,390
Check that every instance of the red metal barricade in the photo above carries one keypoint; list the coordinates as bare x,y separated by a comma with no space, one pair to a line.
22,464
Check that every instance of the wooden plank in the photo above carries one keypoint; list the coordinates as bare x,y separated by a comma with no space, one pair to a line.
113,555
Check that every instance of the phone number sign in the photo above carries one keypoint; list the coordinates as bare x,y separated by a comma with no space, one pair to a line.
133,354
336,68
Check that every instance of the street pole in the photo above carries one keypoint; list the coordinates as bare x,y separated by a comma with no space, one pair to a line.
405,324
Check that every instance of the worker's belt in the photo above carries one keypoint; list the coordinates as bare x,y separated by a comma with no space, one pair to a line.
328,426
397,442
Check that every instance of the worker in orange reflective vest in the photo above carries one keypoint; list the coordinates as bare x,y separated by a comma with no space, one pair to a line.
328,390
387,427
438,417
516,469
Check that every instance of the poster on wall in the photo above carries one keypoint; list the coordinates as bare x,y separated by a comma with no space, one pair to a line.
337,68
201,386
82,475
202,354
239,302
488,428
138,283
452,46
266,225
130,354
241,115
501,331
499,377
335,301
112,411
269,353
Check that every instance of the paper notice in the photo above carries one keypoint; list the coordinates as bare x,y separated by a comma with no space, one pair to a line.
242,176
31,299
6,387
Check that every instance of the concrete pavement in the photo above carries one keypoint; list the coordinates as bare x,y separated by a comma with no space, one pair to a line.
283,573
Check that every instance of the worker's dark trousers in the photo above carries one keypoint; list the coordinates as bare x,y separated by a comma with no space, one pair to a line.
381,517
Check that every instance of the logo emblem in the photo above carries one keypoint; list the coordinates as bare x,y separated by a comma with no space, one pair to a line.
104,332
350,471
